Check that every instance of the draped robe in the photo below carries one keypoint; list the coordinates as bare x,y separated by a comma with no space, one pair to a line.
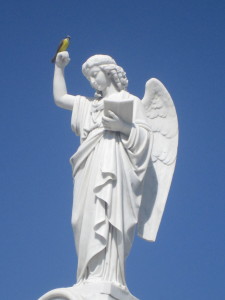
108,170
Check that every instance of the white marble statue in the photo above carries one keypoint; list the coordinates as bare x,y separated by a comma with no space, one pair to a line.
122,173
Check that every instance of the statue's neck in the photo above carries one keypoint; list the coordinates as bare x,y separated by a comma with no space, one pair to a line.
111,89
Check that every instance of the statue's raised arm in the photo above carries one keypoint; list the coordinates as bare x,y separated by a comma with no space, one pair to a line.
61,97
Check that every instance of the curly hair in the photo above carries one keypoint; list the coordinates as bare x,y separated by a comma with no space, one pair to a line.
108,65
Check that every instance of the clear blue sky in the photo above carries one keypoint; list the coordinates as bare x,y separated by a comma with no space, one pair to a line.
181,43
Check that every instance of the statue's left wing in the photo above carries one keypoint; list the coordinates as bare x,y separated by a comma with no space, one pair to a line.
162,118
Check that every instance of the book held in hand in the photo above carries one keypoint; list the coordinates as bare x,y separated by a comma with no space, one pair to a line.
122,108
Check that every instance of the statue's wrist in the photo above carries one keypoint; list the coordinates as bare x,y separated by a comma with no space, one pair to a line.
60,67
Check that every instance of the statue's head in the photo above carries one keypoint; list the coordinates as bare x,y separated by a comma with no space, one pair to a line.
108,65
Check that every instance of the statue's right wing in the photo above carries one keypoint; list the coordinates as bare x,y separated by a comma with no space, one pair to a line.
162,119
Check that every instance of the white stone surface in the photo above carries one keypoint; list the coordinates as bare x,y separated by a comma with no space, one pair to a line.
90,291
122,174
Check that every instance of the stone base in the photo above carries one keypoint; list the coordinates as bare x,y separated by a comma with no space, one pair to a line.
90,291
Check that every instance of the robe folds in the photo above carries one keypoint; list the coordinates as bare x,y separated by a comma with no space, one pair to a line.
108,170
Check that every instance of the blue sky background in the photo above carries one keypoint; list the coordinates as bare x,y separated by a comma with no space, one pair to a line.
182,43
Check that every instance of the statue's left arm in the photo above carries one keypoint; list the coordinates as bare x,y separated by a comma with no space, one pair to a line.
139,142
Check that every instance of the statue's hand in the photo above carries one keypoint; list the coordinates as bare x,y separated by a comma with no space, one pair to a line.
115,123
62,59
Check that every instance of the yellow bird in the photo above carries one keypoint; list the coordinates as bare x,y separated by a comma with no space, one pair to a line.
64,44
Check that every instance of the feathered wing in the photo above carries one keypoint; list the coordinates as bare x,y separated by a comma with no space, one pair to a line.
162,117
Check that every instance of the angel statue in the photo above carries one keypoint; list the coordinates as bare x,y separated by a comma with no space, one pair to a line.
122,173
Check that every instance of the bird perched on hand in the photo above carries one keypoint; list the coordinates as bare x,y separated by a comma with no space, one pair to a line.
64,44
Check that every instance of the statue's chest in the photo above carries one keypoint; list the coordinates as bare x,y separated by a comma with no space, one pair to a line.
96,112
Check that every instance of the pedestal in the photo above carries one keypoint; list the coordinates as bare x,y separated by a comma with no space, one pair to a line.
90,291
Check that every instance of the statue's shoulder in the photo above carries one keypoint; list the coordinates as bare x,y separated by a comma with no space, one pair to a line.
84,98
127,95
90,99
82,102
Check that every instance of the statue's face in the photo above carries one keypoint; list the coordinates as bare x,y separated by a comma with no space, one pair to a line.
98,79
